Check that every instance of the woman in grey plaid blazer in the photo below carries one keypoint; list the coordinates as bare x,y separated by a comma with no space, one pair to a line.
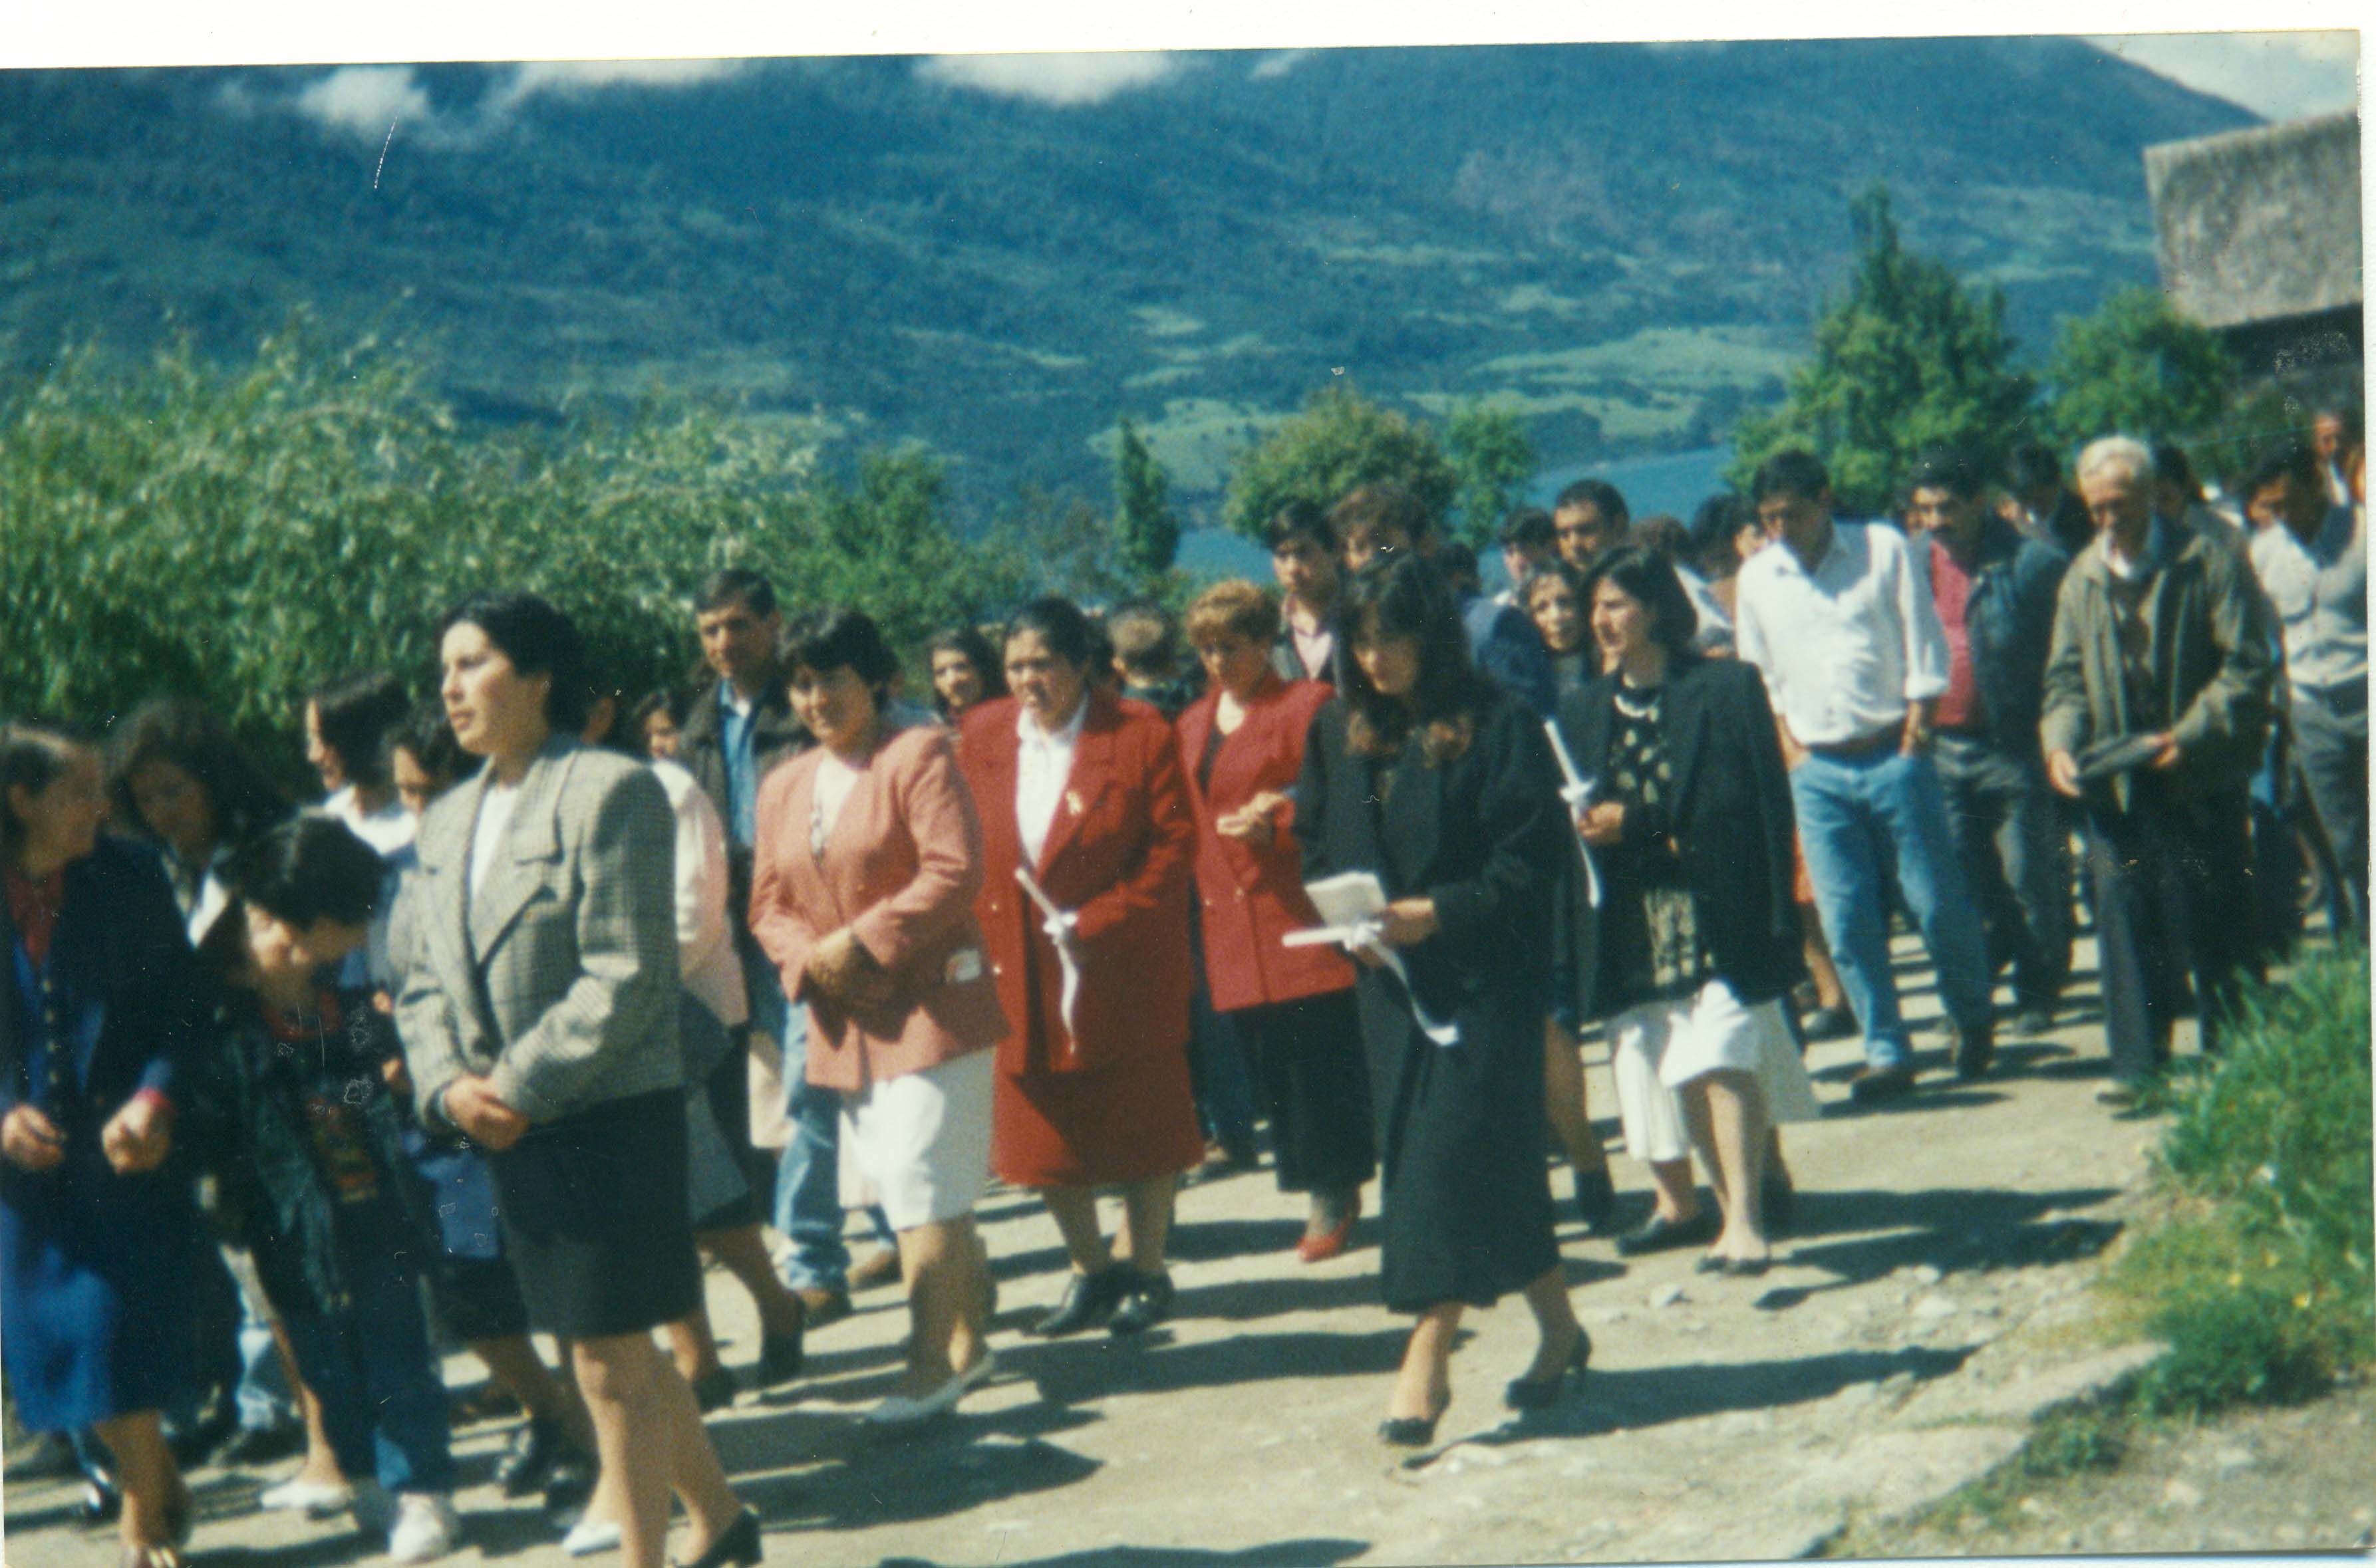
539,1015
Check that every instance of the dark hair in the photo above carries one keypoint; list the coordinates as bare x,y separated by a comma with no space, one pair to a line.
1382,506
2033,465
1407,596
241,795
353,712
668,700
429,735
2291,457
1601,496
1557,569
974,648
1948,468
32,755
538,640
1298,518
1663,532
1790,472
309,868
1070,635
2171,467
735,585
1715,526
1649,579
1456,558
829,640
1528,528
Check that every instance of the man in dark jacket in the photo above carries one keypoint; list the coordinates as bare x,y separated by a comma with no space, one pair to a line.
737,730
2159,685
1995,590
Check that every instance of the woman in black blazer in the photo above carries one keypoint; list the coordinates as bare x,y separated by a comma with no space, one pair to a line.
1698,938
1423,773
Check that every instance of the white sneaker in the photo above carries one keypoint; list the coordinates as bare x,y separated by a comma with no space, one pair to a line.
426,1528
317,1499
590,1535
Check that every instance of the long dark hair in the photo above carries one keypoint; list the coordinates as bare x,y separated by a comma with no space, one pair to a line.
353,712
1408,597
1648,578
241,795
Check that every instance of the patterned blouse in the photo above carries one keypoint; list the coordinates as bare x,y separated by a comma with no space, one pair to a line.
1651,923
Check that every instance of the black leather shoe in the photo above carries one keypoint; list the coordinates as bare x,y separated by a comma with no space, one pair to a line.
102,1499
738,1544
260,1445
714,1391
1659,1233
1407,1432
1535,1393
1975,1049
1874,1085
570,1483
782,1355
1829,1023
1596,1202
1146,1304
1089,1299
528,1464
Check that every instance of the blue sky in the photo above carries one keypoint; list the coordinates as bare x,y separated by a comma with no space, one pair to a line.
2279,74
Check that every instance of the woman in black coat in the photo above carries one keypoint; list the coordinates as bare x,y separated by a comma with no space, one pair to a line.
1423,774
1691,826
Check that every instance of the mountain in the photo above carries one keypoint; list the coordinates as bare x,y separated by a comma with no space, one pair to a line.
1627,241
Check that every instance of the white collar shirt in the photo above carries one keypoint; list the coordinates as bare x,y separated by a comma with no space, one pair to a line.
2320,592
1042,764
1846,645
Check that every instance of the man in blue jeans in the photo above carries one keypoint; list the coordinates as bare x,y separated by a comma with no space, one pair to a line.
734,732
1838,617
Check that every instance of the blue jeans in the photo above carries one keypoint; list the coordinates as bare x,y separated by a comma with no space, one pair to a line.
263,1396
383,1396
808,1173
1856,816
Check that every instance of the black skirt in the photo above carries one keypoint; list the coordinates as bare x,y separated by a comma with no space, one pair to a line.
595,1219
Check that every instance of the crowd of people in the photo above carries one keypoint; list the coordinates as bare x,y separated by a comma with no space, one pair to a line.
555,994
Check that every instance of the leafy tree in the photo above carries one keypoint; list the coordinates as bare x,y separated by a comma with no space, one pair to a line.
2136,366
1494,461
1146,529
1339,442
1908,359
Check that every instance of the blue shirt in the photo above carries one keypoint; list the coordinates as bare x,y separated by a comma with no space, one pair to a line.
734,729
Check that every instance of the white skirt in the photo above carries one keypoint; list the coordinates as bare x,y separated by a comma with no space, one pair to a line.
919,1144
1658,1047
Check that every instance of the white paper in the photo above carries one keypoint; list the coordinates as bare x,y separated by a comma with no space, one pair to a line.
1059,925
1351,906
1577,792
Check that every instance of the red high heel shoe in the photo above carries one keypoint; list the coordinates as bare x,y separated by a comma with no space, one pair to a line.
1319,1246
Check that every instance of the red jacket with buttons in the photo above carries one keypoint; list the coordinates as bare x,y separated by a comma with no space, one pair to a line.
1117,857
1251,896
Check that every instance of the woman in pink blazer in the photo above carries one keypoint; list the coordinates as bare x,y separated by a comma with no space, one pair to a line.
867,862
1242,744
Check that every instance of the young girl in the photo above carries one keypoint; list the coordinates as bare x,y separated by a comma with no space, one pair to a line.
306,1145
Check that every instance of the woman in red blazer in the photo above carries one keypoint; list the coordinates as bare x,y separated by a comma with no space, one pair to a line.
1083,789
1242,742
864,881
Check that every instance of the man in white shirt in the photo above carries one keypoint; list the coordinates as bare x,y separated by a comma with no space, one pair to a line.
1839,621
2312,558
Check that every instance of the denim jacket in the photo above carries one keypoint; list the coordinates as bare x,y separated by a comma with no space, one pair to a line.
2009,622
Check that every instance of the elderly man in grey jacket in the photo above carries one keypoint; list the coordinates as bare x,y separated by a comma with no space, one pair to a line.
2159,683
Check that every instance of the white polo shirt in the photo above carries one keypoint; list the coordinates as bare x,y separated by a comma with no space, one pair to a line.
1843,647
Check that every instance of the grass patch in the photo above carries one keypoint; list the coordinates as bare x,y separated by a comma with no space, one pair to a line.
2259,1279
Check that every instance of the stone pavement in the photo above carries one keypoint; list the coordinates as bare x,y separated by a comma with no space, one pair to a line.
1930,1297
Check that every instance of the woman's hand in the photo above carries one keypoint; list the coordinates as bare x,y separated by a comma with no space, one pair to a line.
1253,823
138,1137
472,1104
840,971
30,1141
1408,922
1602,824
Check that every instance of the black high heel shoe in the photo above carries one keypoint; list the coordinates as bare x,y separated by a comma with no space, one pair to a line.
738,1544
1408,1431
1535,1393
1089,1299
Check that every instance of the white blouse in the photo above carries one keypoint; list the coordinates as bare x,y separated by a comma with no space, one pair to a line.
1042,764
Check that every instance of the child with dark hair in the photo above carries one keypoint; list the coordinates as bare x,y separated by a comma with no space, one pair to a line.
345,720
305,1140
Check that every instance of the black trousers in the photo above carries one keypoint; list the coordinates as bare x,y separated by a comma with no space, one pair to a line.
2173,890
1314,1083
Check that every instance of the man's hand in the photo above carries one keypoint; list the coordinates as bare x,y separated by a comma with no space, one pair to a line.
138,1137
30,1141
1792,753
2164,752
1916,738
1602,824
2063,772
1408,922
471,1105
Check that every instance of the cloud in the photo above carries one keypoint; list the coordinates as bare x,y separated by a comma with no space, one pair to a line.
1273,66
2279,74
1065,80
579,78
364,100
